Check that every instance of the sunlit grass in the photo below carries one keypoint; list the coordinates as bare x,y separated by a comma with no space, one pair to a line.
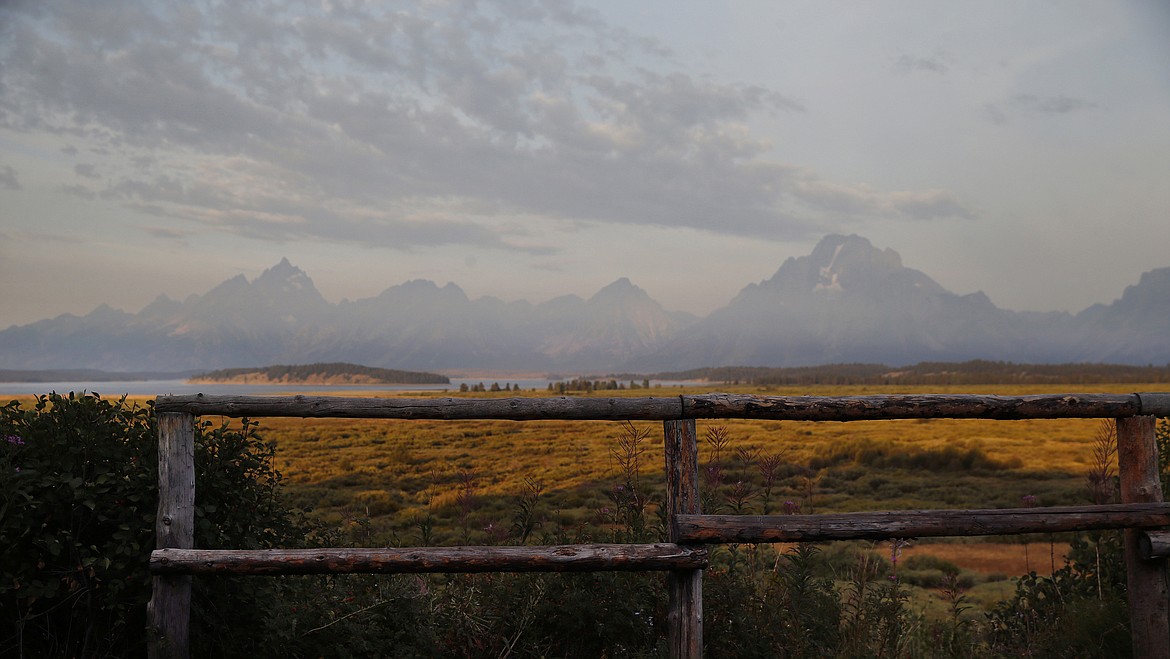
392,472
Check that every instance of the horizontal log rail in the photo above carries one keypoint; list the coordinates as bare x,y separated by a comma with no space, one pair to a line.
701,406
414,560
924,406
1154,545
558,408
886,525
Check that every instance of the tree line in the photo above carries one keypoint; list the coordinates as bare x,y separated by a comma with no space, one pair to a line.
959,373
332,370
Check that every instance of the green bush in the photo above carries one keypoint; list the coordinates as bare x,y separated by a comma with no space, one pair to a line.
78,495
888,455
1061,615
78,490
1162,439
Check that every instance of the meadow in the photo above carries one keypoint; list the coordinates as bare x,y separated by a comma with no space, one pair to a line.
412,483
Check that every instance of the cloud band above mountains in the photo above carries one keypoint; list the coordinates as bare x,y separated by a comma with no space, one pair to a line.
406,125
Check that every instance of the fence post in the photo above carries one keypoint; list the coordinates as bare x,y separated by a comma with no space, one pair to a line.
685,615
1137,463
169,610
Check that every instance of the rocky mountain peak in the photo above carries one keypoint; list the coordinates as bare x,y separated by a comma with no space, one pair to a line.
1153,289
284,278
161,306
848,265
838,261
418,291
620,291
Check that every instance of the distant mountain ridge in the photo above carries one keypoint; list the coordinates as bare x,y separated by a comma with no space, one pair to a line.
846,302
281,318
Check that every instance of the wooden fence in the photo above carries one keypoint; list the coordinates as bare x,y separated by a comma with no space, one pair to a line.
683,557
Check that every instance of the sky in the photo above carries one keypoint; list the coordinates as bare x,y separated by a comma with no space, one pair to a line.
527,149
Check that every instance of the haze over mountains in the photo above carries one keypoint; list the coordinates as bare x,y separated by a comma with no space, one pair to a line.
845,302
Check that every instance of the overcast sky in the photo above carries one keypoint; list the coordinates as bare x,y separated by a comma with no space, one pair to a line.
530,149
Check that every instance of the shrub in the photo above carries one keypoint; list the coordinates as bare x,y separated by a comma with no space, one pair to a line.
78,491
1061,615
888,455
929,562
1162,439
78,495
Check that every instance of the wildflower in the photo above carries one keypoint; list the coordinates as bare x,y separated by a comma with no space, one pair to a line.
15,440
791,508
896,547
1029,500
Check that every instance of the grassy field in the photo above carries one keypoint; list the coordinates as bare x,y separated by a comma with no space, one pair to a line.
443,482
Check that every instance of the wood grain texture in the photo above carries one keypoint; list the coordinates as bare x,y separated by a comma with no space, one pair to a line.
701,406
714,529
684,617
1154,545
1146,585
910,406
413,560
1154,404
572,408
169,609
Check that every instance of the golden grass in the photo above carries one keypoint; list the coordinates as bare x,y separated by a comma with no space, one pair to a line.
997,557
394,471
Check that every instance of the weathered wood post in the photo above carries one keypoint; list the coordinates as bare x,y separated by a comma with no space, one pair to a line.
169,610
685,587
1137,463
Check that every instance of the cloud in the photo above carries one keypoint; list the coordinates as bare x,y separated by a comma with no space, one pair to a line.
403,125
86,170
1034,104
865,201
1058,104
8,178
80,191
263,208
936,63
166,233
995,114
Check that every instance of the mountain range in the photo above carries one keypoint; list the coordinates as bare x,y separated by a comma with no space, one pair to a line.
846,302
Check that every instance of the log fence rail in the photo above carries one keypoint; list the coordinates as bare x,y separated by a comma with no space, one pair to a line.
1141,512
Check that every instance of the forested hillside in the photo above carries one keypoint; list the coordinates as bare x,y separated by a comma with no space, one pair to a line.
926,373
331,373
